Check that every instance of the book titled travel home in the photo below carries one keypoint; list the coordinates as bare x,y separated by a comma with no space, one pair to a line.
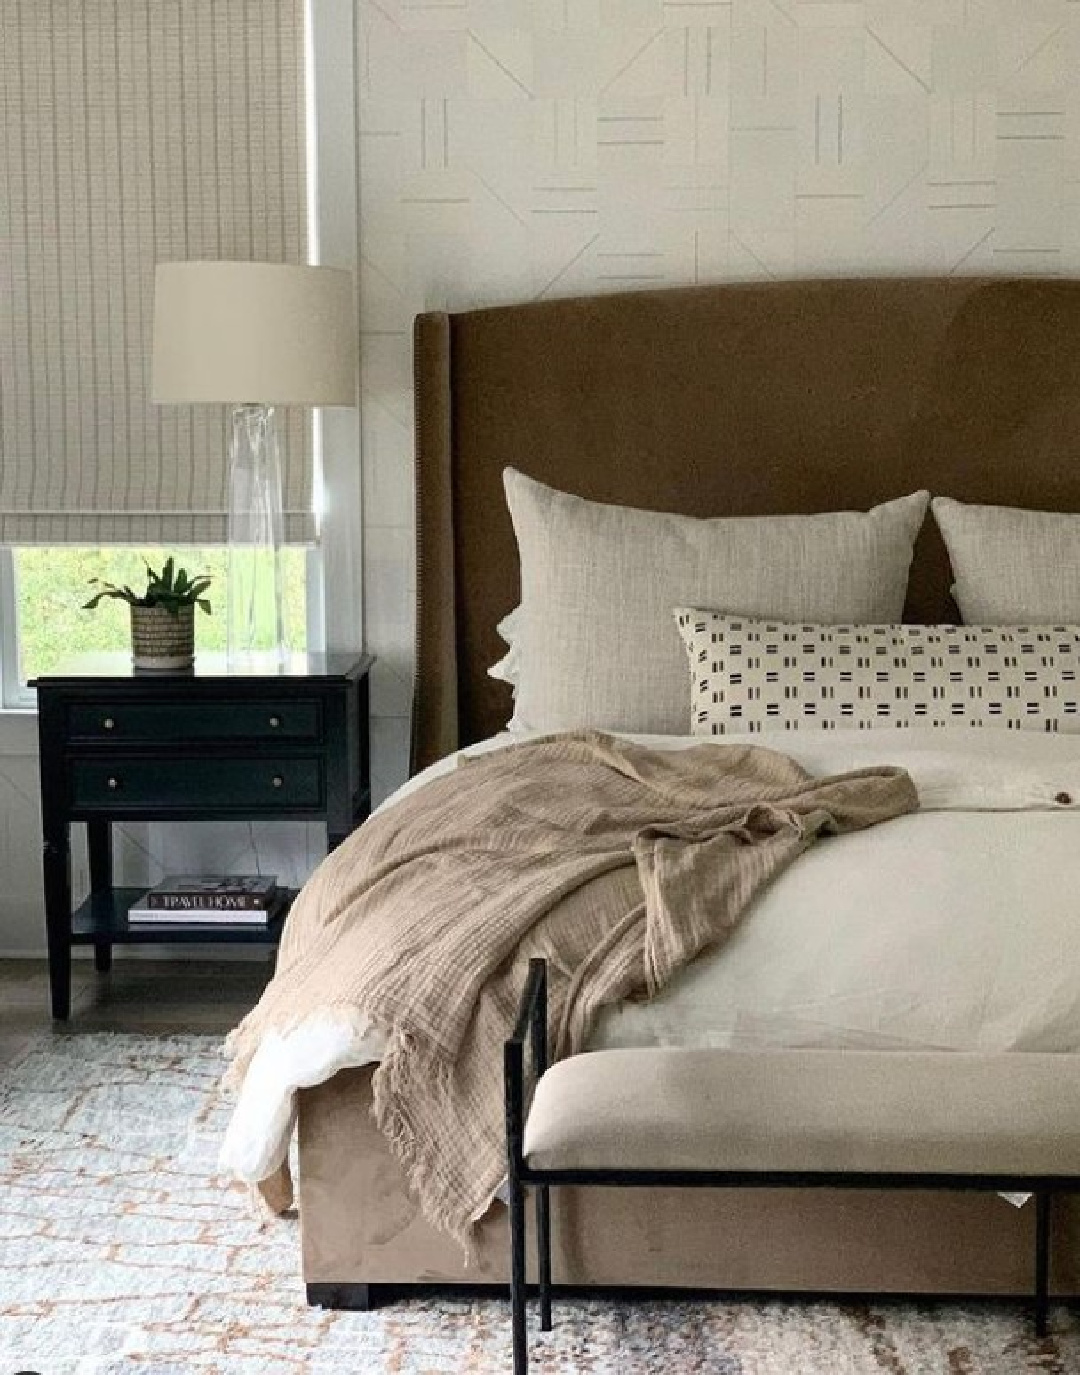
210,898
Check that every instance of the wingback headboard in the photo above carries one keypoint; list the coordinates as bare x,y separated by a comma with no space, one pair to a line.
723,400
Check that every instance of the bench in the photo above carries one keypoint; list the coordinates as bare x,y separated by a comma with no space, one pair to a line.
1007,1122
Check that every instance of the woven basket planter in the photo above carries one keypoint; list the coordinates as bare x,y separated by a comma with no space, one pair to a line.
161,640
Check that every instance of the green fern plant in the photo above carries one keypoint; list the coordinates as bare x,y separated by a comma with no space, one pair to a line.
172,589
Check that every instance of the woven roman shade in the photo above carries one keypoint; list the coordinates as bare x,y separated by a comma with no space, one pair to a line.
134,132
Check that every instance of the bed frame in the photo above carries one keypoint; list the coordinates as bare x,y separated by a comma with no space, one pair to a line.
740,400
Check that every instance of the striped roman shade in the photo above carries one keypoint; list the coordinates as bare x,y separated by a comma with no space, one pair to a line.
134,132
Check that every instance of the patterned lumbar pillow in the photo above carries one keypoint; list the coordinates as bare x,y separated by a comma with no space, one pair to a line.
765,675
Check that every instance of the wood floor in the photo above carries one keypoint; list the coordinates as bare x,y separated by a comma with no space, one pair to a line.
162,996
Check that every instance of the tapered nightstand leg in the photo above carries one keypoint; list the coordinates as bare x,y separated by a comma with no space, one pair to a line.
99,845
57,871
60,975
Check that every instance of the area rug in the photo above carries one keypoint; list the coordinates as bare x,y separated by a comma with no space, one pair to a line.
121,1252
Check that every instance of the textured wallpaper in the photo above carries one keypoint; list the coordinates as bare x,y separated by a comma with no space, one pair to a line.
515,149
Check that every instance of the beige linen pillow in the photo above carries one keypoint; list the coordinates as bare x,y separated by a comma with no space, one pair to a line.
750,676
599,647
1011,566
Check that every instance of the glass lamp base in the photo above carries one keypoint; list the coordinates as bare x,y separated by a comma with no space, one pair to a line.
255,629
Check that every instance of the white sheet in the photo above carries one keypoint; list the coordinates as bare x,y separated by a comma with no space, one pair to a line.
957,927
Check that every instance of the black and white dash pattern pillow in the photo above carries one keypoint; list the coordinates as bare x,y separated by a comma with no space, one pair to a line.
749,676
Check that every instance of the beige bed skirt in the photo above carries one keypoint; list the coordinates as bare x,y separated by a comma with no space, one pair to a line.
359,1226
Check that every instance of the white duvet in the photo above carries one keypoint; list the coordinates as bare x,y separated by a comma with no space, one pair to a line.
957,928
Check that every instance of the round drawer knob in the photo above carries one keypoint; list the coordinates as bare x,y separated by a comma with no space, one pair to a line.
113,784
109,723
275,721
278,781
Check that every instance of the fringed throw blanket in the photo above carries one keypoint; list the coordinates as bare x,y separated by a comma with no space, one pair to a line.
616,862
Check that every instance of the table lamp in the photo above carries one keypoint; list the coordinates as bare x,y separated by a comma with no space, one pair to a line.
254,336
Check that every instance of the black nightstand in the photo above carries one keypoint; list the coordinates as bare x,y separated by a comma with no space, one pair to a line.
205,745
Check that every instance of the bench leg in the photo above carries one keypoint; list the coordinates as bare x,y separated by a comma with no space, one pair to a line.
1042,1262
543,1246
517,1278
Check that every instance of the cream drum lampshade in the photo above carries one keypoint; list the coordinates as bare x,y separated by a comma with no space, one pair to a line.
271,333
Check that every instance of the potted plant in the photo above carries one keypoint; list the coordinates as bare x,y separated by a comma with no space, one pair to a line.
163,617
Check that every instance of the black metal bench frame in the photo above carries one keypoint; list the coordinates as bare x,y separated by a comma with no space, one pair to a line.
531,1028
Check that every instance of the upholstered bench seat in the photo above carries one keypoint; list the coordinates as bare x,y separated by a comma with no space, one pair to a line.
801,1111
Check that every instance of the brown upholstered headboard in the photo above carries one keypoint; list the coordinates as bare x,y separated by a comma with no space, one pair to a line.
749,399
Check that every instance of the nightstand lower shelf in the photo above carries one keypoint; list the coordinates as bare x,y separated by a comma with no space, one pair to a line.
103,917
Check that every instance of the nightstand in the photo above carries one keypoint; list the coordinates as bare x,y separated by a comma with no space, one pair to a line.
206,745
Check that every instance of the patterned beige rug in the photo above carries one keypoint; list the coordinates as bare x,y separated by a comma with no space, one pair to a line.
120,1252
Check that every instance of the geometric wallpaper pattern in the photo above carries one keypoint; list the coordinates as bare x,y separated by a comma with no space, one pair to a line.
517,149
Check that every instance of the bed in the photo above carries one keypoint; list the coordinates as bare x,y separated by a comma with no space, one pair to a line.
751,399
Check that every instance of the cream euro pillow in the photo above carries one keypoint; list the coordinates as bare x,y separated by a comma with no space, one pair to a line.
1011,566
750,676
598,643
507,669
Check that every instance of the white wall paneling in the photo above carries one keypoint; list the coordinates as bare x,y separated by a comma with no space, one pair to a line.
334,147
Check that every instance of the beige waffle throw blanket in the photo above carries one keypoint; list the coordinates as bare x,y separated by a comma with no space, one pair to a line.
616,862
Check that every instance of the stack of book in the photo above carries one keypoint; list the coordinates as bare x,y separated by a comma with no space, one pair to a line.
211,900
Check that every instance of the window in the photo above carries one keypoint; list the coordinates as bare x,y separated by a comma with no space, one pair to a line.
50,586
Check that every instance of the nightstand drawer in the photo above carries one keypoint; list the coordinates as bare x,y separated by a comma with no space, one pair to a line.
269,784
194,720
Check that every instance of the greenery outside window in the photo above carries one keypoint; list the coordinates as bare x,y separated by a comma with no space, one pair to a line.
49,588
